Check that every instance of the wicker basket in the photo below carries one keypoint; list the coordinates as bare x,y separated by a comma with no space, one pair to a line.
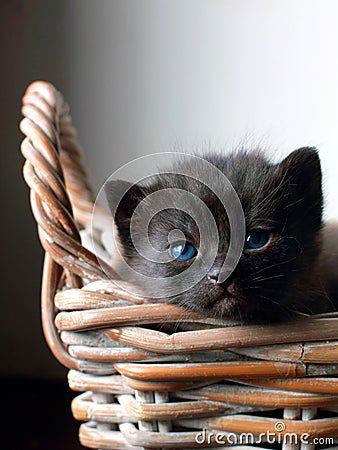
144,388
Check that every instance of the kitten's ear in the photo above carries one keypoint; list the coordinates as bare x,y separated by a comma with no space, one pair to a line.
123,198
302,168
300,172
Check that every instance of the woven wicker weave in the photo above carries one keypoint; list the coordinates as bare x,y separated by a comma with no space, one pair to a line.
143,388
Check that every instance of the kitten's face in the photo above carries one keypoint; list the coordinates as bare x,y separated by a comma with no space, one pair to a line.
282,206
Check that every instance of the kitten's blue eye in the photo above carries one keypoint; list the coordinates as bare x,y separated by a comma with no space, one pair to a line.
257,239
183,251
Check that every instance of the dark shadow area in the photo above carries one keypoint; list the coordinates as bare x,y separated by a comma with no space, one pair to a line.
38,415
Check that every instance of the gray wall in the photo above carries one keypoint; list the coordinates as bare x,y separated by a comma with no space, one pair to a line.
144,76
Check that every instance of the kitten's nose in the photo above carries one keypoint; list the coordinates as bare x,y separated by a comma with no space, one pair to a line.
213,278
213,275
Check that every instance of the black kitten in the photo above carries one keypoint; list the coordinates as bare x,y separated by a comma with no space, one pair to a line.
276,277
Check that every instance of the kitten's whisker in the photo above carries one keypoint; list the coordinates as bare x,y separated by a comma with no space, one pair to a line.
239,312
281,305
275,265
261,279
294,203
166,319
271,300
327,297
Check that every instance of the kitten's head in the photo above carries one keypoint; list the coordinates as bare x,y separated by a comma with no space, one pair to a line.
282,205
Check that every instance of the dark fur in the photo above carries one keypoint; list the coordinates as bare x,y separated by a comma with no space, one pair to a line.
274,283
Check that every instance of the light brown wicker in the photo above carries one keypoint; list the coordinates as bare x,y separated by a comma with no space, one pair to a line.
144,388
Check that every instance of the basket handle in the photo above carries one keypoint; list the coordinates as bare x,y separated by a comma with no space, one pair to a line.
61,196
61,200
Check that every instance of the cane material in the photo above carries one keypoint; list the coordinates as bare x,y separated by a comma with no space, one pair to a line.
145,384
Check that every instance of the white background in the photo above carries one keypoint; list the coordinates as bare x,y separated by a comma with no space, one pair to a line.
160,75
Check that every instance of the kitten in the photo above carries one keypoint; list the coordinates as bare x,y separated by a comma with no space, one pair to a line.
276,277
